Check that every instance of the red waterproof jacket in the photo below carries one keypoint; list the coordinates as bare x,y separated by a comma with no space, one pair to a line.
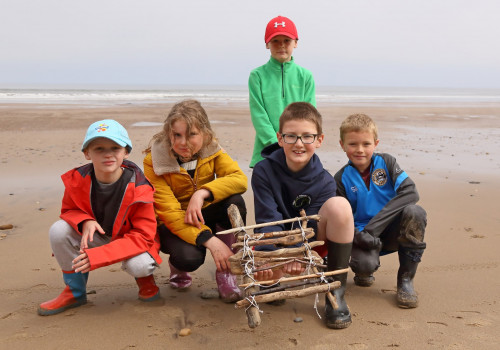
134,230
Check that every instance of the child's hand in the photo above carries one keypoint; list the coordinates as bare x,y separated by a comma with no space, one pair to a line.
193,211
88,229
366,241
81,263
220,252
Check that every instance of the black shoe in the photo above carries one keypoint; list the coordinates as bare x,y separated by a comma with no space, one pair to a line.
364,280
408,262
338,258
337,318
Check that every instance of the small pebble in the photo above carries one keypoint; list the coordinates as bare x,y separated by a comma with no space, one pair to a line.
209,294
297,319
6,227
184,332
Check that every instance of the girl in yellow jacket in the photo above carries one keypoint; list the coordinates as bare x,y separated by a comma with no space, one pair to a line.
195,181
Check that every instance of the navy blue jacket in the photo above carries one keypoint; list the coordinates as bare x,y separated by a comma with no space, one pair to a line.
275,188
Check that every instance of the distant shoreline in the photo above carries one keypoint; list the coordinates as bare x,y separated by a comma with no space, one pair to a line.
342,96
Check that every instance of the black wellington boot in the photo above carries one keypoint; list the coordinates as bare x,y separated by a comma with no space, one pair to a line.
408,262
338,258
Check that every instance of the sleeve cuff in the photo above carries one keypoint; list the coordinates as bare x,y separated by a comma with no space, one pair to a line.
203,237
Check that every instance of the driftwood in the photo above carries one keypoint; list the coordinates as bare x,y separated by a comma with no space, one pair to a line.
238,260
291,252
286,240
253,315
242,228
282,287
275,265
246,262
267,235
296,278
237,268
288,294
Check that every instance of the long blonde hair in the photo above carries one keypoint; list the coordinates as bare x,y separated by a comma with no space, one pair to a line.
194,115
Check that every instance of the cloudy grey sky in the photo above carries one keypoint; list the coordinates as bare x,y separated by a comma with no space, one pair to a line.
434,43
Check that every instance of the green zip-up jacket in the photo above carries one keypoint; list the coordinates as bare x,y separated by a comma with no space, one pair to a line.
272,87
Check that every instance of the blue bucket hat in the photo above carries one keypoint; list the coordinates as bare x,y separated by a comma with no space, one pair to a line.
109,129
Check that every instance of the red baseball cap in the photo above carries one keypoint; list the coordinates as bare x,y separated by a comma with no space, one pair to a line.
280,26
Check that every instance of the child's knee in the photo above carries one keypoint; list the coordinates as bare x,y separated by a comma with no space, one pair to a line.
337,207
139,266
413,223
59,231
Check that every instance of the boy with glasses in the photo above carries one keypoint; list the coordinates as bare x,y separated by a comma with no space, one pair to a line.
290,178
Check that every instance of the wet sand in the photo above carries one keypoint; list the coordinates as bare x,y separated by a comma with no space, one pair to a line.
452,153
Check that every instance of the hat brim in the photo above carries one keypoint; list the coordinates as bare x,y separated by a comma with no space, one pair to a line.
281,33
114,139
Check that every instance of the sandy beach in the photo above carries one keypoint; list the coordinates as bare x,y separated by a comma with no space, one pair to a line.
451,152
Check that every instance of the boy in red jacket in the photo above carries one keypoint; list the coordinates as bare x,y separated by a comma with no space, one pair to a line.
107,216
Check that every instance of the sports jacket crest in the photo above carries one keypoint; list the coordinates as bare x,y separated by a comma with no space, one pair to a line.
134,228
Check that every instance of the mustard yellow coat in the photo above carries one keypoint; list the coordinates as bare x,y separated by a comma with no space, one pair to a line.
215,171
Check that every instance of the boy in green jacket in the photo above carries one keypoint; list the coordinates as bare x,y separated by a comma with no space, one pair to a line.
276,84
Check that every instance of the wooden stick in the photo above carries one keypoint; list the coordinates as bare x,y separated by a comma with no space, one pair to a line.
263,267
277,253
238,229
289,294
237,267
296,278
252,312
286,240
271,234
286,286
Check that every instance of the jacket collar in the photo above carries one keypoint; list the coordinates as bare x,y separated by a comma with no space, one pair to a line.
164,163
276,64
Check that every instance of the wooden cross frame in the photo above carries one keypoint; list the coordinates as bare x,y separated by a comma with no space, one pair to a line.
246,262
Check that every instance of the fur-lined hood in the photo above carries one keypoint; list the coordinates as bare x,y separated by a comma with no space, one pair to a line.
164,163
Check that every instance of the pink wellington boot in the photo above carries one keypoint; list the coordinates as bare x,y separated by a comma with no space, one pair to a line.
228,288
227,283
180,280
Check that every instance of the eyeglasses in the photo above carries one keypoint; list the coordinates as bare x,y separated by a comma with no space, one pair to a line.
306,139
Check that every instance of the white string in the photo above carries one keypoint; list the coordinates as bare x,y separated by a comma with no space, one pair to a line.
316,301
311,264
251,300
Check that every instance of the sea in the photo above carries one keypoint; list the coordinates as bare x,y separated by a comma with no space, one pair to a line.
97,96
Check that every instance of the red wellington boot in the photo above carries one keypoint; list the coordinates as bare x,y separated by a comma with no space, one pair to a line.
148,290
74,295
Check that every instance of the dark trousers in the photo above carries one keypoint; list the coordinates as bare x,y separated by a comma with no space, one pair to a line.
405,232
187,257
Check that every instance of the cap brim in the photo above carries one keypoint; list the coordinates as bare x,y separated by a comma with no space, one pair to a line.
280,33
118,141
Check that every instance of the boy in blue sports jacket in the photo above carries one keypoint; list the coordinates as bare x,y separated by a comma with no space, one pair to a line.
383,200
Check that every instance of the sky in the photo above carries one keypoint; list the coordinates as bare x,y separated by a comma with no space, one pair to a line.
434,43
